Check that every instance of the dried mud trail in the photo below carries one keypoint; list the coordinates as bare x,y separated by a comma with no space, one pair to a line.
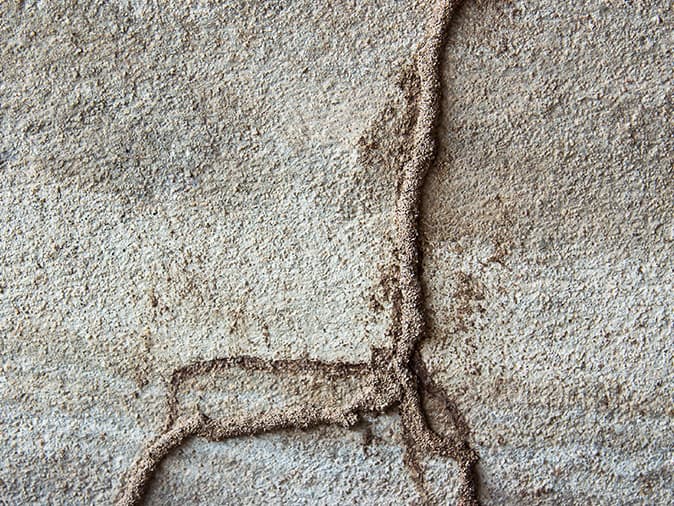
395,377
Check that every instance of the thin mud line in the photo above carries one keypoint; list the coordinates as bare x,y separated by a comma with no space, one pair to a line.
396,376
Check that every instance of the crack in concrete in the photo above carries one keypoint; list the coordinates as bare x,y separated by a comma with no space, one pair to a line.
396,377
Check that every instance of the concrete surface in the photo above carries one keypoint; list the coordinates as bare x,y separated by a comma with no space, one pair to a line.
203,179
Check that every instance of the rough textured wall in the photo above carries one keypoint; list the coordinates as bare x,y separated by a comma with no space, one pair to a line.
193,180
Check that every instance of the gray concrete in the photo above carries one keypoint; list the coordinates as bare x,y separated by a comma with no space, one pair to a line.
192,181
